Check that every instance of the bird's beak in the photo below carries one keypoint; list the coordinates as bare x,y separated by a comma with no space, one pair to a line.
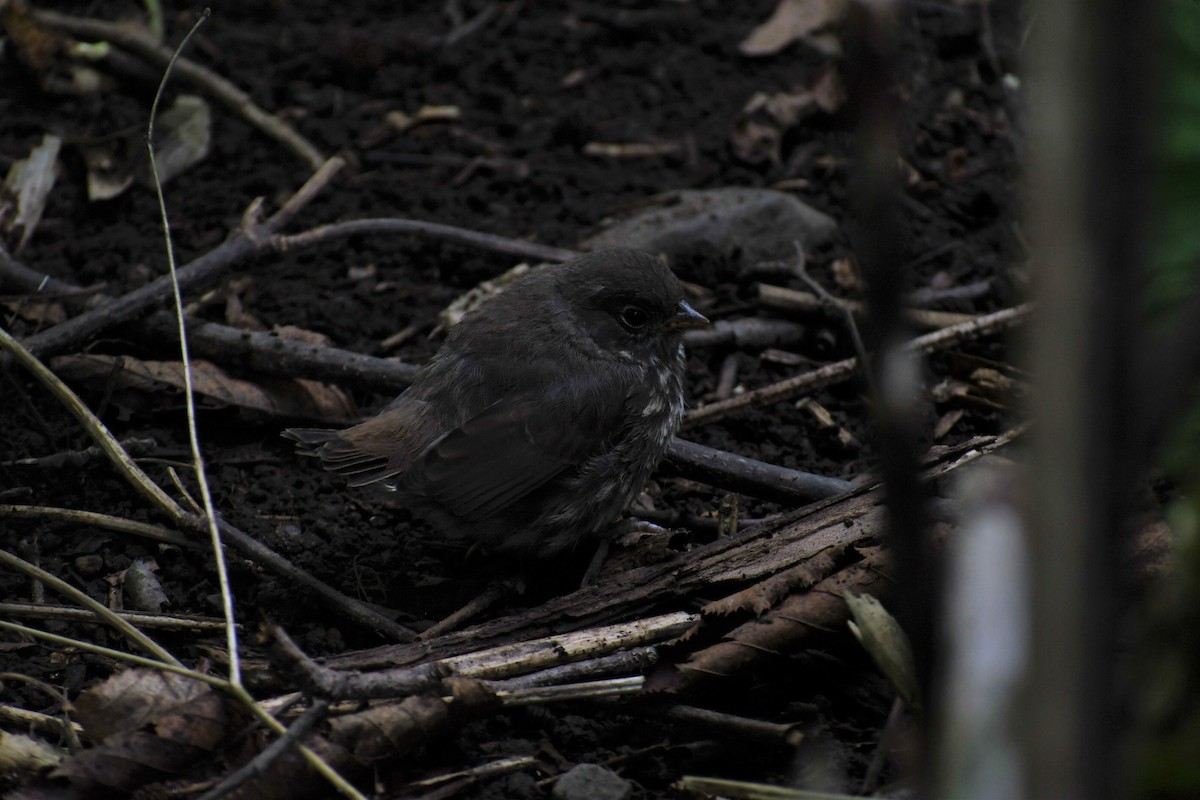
684,318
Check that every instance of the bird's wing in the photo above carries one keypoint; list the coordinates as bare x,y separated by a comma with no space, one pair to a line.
518,443
374,451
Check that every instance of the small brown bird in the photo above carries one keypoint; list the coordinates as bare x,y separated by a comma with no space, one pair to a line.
543,414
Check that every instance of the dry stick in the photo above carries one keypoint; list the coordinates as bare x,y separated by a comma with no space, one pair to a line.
591,690
351,609
785,299
95,519
840,370
146,620
860,349
250,240
466,777
271,753
42,723
491,595
701,786
634,660
749,476
494,663
272,354
783,732
222,89
929,295
487,241
210,513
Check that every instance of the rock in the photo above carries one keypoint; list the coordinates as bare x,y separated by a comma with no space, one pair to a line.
591,782
761,224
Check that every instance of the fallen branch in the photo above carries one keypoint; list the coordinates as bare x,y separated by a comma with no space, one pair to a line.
248,241
782,298
840,370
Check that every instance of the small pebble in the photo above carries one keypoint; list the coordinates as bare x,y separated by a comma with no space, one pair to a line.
591,782
89,566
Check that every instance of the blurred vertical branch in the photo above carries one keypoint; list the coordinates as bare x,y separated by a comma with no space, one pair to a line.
872,83
1089,112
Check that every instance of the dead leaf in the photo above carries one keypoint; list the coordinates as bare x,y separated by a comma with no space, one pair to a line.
754,142
758,130
286,396
845,274
458,308
792,20
38,311
143,588
27,186
33,44
109,170
148,725
881,635
183,134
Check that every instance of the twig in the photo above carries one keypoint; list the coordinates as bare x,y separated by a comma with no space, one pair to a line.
882,748
590,690
353,610
746,790
840,370
465,777
783,298
450,233
76,458
847,313
789,734
59,696
321,681
633,660
146,620
872,72
928,295
730,471
746,333
249,241
210,514
222,89
271,354
108,522
491,664
25,719
476,606
258,765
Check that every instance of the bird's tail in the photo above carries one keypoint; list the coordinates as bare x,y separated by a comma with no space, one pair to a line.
309,440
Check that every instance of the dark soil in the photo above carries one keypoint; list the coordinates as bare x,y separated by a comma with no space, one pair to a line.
533,86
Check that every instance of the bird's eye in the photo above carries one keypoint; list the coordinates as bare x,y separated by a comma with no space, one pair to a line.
633,317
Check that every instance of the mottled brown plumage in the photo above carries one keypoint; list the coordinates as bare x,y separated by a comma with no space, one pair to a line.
543,414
